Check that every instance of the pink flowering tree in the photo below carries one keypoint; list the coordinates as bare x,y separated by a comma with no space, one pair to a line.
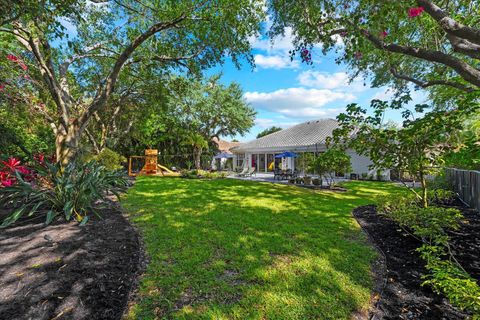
433,45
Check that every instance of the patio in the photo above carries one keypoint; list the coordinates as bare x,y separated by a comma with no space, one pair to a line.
268,177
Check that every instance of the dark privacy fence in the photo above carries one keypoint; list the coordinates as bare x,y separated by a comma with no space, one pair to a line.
467,184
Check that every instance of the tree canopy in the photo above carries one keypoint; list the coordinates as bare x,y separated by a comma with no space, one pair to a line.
80,68
268,131
425,43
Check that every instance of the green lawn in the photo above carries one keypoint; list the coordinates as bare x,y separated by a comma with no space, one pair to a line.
230,249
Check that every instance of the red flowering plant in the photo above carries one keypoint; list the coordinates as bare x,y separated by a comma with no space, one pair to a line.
8,172
13,167
48,190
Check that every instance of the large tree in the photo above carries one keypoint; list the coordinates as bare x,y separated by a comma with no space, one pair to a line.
80,67
425,43
207,109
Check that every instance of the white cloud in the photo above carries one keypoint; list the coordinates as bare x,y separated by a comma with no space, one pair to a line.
275,62
299,102
325,80
386,95
279,43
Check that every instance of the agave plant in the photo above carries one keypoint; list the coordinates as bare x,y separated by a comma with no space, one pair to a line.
71,191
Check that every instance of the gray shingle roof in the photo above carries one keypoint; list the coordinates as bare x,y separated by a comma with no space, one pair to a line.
304,134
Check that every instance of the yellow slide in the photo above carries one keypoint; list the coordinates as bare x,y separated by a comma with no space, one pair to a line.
169,172
163,168
270,167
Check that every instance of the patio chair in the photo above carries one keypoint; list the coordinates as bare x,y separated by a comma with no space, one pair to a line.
250,172
295,173
243,172
288,173
278,174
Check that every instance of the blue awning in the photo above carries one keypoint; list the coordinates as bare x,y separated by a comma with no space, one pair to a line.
286,154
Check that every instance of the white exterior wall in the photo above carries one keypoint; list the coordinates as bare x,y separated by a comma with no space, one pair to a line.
360,164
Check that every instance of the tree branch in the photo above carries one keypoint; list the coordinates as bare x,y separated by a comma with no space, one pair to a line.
46,70
450,25
92,140
463,46
64,66
466,71
164,58
426,84
107,89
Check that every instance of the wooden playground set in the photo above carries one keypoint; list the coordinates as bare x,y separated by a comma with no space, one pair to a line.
150,166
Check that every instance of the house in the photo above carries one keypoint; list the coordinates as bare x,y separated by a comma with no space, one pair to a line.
222,160
307,137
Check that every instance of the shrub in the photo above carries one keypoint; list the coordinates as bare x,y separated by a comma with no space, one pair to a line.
332,160
411,201
449,279
430,225
317,181
71,192
109,159
9,171
202,174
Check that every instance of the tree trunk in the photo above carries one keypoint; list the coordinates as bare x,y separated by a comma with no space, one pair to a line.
198,154
66,144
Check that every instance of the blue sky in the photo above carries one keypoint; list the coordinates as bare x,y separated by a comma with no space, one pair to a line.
285,92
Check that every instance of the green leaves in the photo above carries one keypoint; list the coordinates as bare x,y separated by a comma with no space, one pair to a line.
430,225
268,131
332,160
380,42
71,193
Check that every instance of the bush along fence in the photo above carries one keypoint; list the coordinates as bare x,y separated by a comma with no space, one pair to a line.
467,184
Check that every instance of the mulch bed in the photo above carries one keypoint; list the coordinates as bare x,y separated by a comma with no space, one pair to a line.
64,271
398,275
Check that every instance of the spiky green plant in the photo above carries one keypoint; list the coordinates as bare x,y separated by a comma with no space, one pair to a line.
72,191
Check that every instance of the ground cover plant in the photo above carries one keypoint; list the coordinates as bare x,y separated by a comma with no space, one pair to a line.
240,249
401,293
430,226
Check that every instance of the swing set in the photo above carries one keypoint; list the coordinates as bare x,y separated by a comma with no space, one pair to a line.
148,165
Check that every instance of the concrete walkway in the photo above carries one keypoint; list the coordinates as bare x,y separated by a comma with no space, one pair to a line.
268,177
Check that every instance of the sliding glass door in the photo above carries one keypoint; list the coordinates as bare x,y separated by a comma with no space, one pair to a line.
261,163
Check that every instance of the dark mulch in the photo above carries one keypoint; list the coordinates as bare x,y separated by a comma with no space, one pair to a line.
401,293
64,271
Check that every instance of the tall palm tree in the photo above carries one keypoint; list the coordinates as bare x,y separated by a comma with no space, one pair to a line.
198,143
